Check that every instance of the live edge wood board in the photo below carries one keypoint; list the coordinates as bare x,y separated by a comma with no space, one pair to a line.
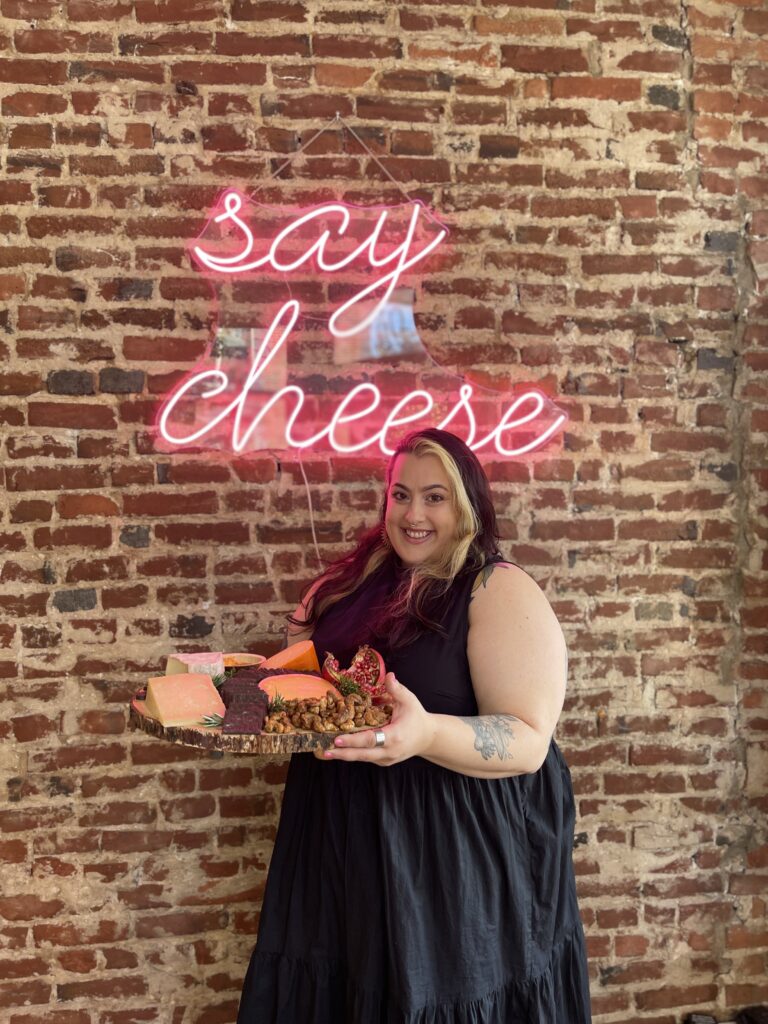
205,738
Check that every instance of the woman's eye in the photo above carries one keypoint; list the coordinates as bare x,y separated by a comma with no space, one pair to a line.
397,495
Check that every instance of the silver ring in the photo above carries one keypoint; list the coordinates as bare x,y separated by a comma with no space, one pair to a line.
380,737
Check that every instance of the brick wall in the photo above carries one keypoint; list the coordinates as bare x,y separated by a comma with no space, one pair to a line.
603,166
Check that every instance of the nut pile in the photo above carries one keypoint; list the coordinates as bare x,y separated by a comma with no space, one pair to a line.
328,714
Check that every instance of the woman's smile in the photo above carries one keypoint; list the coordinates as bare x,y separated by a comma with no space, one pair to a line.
417,536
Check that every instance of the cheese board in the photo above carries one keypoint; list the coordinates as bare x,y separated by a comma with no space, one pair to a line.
246,704
212,738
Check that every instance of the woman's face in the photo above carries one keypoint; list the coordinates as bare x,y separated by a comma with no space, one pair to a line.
420,519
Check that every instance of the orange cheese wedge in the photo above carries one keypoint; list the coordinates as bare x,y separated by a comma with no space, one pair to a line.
183,699
301,656
297,686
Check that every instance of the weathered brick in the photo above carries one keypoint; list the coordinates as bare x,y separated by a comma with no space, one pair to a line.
74,600
70,382
600,170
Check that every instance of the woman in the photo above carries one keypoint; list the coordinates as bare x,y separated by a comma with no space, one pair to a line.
423,873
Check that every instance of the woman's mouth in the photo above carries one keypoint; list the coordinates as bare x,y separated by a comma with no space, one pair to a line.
417,536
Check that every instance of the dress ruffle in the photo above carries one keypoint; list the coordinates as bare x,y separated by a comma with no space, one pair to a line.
285,990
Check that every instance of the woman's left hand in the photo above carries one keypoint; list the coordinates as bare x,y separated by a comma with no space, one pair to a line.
409,733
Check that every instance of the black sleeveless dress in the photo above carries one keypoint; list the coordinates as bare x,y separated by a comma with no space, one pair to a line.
413,894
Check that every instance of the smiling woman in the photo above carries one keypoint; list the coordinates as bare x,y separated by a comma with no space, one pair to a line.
422,874
421,520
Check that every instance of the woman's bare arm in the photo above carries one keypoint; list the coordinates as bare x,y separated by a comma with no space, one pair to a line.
518,663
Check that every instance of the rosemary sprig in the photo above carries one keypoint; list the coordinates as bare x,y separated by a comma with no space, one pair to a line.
276,704
223,677
347,685
212,721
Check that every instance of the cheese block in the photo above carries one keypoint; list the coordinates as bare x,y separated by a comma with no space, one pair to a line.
242,660
297,686
182,699
300,656
205,663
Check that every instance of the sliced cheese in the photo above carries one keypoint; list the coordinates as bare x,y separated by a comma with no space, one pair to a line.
183,699
205,663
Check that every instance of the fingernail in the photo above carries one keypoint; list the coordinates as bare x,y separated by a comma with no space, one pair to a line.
329,753
339,742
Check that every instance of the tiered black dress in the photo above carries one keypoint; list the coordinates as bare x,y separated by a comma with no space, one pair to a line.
412,894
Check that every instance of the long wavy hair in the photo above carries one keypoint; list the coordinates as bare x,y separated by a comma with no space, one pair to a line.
417,593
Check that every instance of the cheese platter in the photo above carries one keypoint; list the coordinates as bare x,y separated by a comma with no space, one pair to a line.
276,706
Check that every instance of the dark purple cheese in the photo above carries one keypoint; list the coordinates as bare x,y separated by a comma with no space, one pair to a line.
237,689
244,718
246,709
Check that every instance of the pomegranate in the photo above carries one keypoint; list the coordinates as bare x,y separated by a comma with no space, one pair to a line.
365,673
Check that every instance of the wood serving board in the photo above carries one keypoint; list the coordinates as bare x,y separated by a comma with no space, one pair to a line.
212,738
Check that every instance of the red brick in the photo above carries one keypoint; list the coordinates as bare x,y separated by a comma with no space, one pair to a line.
25,994
72,414
110,166
120,986
72,536
243,44
162,504
71,506
31,136
28,8
343,76
99,10
546,59
616,89
24,478
20,383
375,109
606,30
56,41
179,11
268,10
230,73
32,72
362,47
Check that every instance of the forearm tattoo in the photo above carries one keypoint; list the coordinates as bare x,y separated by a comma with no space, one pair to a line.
492,734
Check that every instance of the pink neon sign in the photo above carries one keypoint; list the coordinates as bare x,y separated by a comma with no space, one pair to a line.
262,410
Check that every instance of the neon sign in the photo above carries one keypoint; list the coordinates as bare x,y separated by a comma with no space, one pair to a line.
374,321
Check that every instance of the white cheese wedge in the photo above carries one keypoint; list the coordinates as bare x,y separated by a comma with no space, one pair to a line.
206,663
182,699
